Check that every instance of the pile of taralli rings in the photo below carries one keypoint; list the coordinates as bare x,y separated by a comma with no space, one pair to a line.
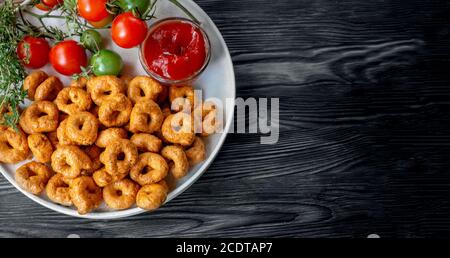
117,140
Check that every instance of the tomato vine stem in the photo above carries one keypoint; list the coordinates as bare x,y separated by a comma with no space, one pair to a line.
185,10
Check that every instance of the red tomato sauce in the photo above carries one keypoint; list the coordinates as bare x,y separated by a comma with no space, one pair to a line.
175,50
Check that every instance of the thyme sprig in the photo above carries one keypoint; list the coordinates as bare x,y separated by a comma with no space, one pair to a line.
12,72
74,24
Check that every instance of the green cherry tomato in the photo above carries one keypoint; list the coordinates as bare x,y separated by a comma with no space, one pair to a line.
106,62
92,40
130,5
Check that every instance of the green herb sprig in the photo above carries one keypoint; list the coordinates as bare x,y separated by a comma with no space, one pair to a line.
12,72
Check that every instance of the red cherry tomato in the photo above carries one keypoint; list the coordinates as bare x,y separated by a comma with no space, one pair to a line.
92,10
102,23
42,7
67,57
33,52
128,31
46,5
52,3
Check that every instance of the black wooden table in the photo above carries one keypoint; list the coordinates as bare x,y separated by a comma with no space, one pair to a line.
365,130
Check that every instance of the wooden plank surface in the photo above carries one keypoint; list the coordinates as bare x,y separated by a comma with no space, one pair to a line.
365,134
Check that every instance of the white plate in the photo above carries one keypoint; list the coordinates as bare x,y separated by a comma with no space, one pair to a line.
217,81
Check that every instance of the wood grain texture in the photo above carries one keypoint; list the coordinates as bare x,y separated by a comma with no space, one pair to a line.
365,130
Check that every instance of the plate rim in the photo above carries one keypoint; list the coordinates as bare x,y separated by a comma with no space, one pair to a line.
176,192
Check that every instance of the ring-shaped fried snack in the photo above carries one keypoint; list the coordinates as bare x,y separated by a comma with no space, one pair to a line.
57,190
151,197
62,116
115,111
144,88
210,122
126,80
184,96
197,152
103,87
160,136
150,168
85,194
146,142
110,135
79,83
146,117
166,111
13,145
33,177
40,117
61,133
41,147
163,96
179,129
119,157
48,89
120,194
7,110
82,128
94,110
94,153
70,161
178,161
53,138
32,81
102,178
72,100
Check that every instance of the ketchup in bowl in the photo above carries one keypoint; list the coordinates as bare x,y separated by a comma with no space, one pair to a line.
176,50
